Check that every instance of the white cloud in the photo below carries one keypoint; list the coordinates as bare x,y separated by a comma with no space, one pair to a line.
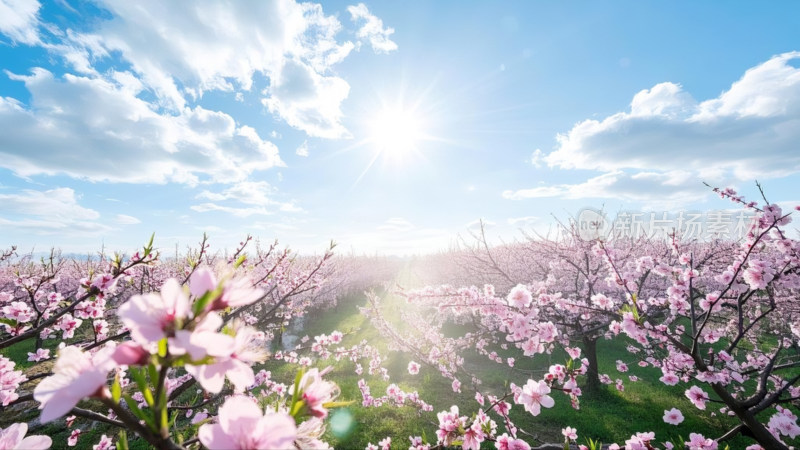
302,150
254,194
222,46
307,100
238,212
751,130
668,188
372,30
536,158
522,221
99,130
51,211
668,143
396,224
124,219
475,225
59,203
19,20
248,192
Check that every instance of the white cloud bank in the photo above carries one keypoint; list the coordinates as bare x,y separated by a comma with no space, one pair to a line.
372,30
129,113
54,211
668,142
98,130
19,20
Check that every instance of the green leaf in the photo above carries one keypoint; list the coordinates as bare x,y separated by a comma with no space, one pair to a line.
122,440
10,322
149,247
201,303
134,407
239,261
296,408
340,404
116,390
141,381
296,390
162,348
152,370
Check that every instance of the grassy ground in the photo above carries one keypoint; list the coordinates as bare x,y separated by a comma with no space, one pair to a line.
607,415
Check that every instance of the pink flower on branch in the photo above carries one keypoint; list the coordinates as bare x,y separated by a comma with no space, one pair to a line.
76,375
242,425
236,366
152,317
534,396
315,392
13,438
697,396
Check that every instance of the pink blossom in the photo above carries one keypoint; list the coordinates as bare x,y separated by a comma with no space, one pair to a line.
40,355
449,424
10,380
130,353
673,416
72,440
18,311
570,433
506,442
473,436
68,324
534,396
240,292
386,443
698,442
756,278
601,301
151,316
456,385
413,368
697,396
236,366
242,425
202,281
13,438
104,444
784,422
573,352
520,297
203,340
670,379
76,375
316,392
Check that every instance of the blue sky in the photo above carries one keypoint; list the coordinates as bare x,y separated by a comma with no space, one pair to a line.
387,126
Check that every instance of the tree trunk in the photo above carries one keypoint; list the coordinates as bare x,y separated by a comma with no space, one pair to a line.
592,375
760,433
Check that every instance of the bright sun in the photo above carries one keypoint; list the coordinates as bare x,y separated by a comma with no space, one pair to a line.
395,133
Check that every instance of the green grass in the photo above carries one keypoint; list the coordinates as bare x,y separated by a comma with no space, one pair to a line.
608,415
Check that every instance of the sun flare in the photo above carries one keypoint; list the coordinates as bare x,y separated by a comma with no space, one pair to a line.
396,132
